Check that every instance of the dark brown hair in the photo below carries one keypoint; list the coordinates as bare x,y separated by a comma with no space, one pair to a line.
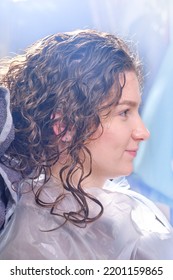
70,75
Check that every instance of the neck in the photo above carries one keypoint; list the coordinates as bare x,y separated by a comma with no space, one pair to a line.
93,180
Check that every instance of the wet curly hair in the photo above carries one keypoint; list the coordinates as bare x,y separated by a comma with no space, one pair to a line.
70,75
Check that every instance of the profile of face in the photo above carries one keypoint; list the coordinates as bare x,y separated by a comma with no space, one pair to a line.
123,130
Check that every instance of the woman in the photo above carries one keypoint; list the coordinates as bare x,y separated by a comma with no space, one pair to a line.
75,99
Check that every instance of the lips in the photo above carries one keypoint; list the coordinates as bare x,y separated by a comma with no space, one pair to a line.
133,152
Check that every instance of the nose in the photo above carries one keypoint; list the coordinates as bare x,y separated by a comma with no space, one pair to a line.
140,132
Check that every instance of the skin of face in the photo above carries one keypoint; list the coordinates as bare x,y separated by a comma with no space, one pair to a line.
114,151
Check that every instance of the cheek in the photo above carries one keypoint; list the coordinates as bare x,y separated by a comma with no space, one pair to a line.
112,137
106,143
98,144
110,140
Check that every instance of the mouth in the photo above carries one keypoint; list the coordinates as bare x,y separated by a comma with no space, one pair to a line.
132,153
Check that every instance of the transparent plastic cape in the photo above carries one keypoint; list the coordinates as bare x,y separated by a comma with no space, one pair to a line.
131,227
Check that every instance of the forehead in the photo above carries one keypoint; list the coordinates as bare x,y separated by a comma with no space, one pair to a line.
130,94
131,89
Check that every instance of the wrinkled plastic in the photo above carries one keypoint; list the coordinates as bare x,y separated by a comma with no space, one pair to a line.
131,227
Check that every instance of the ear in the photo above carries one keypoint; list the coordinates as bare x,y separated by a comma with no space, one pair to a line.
59,127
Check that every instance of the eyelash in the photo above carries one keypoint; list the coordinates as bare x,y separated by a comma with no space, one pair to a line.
124,113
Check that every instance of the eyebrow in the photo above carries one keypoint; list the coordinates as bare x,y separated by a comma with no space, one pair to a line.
129,103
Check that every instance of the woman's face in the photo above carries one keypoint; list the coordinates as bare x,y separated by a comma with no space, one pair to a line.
114,151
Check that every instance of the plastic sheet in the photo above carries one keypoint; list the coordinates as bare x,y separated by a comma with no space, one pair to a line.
132,227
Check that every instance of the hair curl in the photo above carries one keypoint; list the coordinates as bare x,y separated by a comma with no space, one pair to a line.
71,74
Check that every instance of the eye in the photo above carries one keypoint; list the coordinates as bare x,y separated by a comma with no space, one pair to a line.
124,113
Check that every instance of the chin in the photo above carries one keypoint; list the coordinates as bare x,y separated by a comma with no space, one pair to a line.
127,172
